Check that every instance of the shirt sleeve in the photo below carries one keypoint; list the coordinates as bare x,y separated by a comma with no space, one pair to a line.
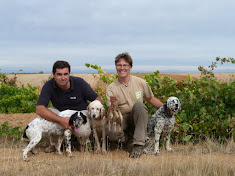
108,94
147,90
89,93
44,96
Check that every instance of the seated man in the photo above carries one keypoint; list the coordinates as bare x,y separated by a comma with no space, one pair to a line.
65,92
129,92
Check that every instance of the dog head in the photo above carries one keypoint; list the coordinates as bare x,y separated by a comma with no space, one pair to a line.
173,105
77,120
96,110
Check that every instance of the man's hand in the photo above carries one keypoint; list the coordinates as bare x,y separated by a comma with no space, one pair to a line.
65,123
113,98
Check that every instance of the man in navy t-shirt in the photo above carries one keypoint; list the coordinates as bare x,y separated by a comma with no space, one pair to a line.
65,92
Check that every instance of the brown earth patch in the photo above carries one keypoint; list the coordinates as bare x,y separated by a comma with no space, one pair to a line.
17,119
93,78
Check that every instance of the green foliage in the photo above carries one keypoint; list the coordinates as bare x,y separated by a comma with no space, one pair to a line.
208,106
104,76
209,72
17,100
5,80
14,132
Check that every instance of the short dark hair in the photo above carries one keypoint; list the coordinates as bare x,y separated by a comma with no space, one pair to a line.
60,64
124,56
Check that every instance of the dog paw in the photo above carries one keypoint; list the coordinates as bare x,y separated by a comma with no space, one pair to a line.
156,153
146,152
34,152
70,155
59,153
26,159
104,151
97,151
169,149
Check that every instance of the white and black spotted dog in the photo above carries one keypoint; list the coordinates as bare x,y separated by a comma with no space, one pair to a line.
40,127
161,124
83,131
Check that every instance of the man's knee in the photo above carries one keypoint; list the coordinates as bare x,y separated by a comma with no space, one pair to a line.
139,106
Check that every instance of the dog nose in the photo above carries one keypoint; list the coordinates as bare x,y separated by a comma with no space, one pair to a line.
176,105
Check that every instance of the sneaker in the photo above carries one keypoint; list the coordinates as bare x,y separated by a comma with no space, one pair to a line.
50,149
136,151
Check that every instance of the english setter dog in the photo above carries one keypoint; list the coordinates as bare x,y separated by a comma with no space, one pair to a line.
161,124
40,127
98,120
114,117
83,130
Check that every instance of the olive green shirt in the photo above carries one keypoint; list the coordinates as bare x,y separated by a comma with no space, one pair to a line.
136,90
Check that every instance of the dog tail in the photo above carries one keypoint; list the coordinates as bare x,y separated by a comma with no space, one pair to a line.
24,135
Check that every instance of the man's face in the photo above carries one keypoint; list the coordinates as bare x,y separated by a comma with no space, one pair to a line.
123,68
61,76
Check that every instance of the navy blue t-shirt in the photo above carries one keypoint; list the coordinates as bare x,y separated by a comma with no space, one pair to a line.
75,98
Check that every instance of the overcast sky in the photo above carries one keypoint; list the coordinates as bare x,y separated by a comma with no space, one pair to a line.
165,35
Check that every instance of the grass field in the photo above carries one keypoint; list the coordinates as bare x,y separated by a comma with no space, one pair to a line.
207,158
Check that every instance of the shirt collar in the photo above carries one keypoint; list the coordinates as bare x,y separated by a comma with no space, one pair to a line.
55,86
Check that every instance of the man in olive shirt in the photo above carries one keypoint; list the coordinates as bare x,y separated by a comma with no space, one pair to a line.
129,91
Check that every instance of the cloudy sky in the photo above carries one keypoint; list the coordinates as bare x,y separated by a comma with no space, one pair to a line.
165,35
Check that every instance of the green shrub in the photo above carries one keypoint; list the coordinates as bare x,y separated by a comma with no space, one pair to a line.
208,106
17,100
13,132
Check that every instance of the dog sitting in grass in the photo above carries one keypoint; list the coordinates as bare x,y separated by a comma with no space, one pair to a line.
161,124
97,117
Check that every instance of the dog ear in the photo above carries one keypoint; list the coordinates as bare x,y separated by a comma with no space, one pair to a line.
102,113
165,106
84,117
179,104
72,118
88,108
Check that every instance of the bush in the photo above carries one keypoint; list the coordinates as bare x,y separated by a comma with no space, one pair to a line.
13,132
17,100
208,106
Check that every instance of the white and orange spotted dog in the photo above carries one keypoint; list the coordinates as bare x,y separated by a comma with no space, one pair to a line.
98,121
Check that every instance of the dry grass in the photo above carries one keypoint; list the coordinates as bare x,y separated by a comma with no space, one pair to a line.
207,158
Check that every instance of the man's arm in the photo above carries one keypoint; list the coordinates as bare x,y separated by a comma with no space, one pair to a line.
154,101
47,114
